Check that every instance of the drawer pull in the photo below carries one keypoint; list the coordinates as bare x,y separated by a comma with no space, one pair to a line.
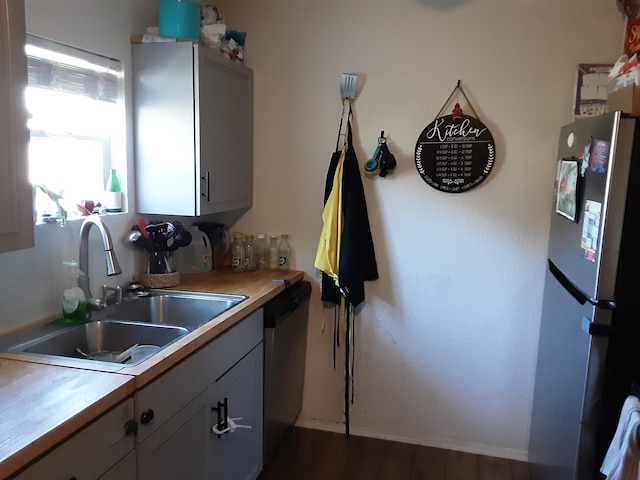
146,416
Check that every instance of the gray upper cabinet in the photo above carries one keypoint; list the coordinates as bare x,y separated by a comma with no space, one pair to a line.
193,130
16,216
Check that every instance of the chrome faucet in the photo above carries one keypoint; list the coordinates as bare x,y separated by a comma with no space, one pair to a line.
113,268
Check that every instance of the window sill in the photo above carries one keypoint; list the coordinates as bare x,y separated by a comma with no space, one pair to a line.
57,220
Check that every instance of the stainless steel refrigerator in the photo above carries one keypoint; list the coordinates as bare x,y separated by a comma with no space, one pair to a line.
589,347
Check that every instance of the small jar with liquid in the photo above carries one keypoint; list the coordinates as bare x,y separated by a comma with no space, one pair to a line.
237,252
273,252
284,253
249,253
261,252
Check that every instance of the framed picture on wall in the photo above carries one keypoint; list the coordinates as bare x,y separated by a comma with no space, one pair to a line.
567,194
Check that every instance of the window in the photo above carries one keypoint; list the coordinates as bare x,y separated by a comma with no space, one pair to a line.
76,123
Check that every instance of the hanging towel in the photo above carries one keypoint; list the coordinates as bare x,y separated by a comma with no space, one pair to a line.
623,457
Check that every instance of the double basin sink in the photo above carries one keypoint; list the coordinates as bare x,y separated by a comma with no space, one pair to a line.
151,322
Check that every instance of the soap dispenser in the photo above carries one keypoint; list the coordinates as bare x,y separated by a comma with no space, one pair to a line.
74,303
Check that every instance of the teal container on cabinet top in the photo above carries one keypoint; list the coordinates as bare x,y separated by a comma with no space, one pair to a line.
180,19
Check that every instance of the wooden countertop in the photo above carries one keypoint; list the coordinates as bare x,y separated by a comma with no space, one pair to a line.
43,404
45,400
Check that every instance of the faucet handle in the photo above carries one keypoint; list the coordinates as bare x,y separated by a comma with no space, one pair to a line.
105,294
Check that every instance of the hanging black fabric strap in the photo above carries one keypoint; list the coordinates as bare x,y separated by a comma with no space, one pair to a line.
336,335
341,122
340,127
353,350
346,372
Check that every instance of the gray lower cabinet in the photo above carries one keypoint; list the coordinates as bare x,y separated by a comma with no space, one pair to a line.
101,451
193,111
125,469
238,453
178,412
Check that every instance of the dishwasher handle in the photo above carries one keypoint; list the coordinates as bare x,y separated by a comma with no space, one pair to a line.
285,303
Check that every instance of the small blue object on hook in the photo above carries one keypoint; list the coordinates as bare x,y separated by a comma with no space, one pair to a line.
382,161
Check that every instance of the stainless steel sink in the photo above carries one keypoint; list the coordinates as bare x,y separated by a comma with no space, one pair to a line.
101,336
158,319
168,307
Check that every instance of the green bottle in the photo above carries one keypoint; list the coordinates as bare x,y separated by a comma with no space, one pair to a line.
113,194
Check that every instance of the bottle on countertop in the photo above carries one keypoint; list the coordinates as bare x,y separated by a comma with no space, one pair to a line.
273,252
261,252
284,253
237,252
113,193
74,303
194,257
249,253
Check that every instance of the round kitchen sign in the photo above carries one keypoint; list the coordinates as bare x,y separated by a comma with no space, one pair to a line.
455,153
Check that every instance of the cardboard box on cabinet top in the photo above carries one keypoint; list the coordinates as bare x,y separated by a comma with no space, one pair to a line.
626,99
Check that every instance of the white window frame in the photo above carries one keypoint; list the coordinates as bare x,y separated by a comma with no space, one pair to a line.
86,75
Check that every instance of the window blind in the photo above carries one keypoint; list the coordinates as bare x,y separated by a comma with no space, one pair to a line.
66,69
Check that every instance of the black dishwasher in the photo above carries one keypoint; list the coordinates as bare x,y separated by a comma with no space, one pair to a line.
286,320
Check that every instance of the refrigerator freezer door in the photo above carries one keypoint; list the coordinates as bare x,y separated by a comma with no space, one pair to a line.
570,369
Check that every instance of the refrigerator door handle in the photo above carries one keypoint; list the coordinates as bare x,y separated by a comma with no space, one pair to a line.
595,329
576,293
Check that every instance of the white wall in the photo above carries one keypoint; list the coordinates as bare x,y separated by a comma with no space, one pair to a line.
30,285
446,344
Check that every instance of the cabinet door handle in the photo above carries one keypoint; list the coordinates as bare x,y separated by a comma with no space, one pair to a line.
206,192
221,425
226,413
146,416
131,427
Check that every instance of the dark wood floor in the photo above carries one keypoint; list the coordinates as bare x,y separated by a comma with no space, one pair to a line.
306,454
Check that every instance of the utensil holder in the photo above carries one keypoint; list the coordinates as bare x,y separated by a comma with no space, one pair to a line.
160,280
159,262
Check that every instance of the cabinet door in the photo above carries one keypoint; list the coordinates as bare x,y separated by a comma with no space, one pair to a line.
125,469
178,450
238,454
16,215
226,133
163,97
91,452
